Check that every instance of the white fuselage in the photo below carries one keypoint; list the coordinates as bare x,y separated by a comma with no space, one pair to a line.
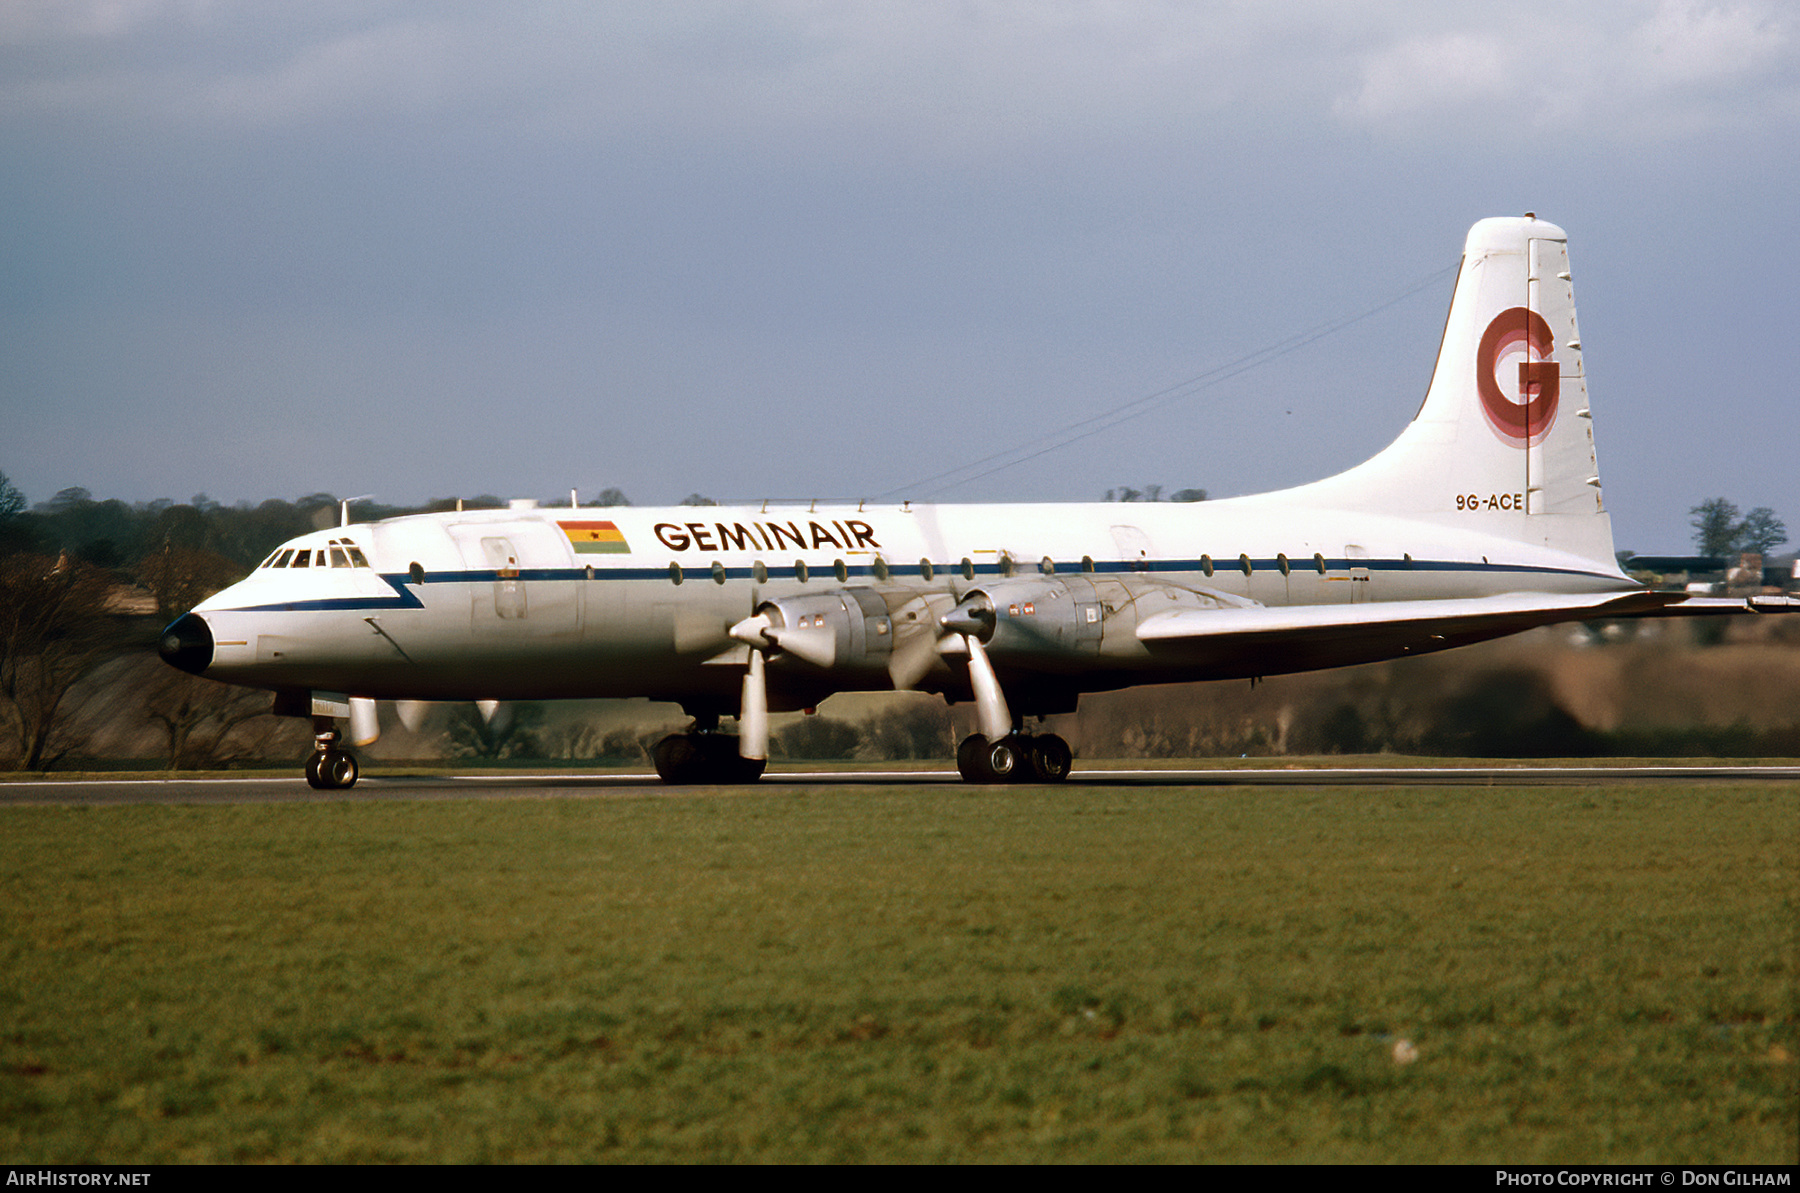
519,604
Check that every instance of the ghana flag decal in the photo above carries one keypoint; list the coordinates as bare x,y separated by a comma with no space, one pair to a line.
595,538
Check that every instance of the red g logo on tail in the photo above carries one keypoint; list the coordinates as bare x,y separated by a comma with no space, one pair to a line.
1518,335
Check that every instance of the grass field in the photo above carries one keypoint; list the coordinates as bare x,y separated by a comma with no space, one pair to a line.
936,973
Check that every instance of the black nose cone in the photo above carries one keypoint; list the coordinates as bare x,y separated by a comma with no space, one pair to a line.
187,644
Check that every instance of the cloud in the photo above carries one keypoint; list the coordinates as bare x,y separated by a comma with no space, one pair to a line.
401,68
39,22
963,79
1685,43
1628,73
1420,75
946,74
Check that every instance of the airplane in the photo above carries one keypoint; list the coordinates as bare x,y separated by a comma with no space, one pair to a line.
1482,519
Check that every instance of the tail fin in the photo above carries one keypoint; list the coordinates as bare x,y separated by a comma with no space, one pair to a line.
1504,441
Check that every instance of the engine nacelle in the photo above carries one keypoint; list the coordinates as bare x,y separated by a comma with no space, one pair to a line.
1032,616
848,629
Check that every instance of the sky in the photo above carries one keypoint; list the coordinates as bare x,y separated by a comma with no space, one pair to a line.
791,249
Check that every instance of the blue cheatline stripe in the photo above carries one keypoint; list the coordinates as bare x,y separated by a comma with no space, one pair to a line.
825,573
403,598
1224,567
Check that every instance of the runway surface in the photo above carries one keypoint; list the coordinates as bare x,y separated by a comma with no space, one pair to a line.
226,789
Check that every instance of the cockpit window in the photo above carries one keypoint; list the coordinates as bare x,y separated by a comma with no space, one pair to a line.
339,553
344,554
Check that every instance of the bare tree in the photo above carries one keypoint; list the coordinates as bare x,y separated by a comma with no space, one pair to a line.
12,502
54,632
818,737
510,733
181,577
199,717
572,740
919,729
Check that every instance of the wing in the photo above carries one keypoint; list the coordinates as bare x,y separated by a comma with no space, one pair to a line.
1270,641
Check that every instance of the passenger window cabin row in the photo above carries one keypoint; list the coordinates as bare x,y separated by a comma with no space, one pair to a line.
881,569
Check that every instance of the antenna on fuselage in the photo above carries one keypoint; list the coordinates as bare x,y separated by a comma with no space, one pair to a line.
344,508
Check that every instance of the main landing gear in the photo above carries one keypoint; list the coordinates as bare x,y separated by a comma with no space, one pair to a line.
689,758
329,768
704,755
1014,758
1000,752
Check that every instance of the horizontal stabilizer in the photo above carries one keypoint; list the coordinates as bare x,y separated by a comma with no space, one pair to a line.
1271,641
1517,611
1698,606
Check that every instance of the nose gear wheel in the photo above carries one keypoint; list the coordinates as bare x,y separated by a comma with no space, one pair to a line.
331,770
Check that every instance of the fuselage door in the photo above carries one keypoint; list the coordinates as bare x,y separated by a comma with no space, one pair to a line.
520,580
509,597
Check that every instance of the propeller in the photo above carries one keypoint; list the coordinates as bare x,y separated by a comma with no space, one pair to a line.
753,711
919,642
973,617
753,706
973,620
964,628
365,725
991,714
816,644
497,714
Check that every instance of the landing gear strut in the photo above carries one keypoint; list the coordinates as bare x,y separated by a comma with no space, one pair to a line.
1000,752
329,768
1014,758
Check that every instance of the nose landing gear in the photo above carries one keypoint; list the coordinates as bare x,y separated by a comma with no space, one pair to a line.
328,768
